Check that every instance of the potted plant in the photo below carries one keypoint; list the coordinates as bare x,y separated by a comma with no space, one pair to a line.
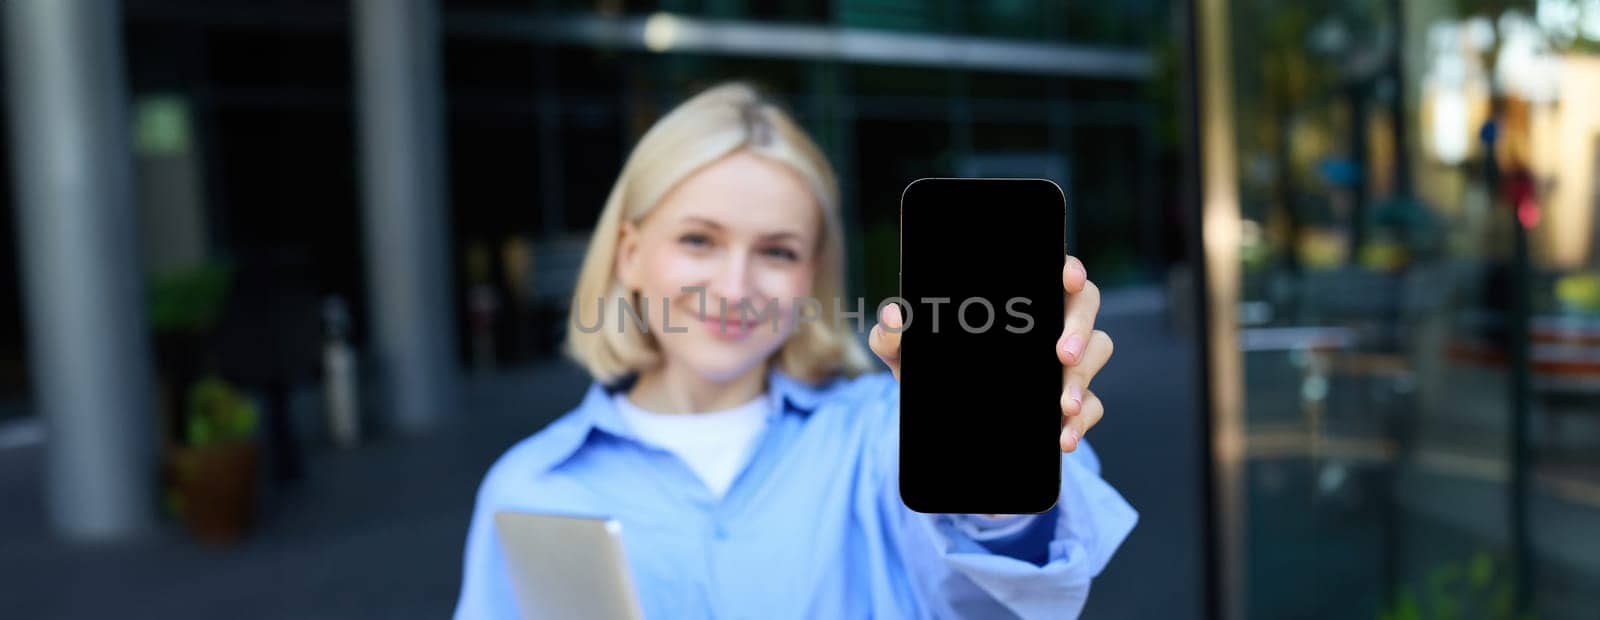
213,472
184,306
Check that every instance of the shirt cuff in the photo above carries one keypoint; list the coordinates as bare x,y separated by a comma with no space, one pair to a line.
1022,537
985,528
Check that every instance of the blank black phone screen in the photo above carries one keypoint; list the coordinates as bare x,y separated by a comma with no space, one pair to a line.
980,383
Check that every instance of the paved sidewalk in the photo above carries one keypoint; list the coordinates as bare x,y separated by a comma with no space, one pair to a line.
375,532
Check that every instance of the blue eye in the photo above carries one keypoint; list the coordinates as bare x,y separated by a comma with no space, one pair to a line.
695,240
782,253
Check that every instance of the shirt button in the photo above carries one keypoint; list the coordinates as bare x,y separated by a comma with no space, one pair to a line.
719,531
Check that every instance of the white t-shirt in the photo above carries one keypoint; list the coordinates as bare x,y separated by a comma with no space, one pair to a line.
715,444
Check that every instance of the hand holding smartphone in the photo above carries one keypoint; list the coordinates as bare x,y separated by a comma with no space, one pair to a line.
981,384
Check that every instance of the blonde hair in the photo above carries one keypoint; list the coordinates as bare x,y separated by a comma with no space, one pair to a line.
723,120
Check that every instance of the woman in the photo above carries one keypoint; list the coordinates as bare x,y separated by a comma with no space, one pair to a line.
752,462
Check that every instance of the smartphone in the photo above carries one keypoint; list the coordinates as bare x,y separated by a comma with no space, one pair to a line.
980,383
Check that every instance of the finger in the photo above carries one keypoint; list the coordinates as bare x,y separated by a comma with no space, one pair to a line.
1073,275
1074,428
885,343
1076,378
1082,308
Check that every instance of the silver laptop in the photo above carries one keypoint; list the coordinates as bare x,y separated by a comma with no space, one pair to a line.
567,567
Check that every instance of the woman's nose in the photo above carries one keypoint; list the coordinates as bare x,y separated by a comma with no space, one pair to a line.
732,281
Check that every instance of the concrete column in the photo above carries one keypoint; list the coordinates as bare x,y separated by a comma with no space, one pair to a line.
78,232
406,229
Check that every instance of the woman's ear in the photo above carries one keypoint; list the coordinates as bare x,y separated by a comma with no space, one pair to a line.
628,255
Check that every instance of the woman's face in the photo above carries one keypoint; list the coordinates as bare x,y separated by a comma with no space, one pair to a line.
742,230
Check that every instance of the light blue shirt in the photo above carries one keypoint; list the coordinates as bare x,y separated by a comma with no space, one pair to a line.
813,527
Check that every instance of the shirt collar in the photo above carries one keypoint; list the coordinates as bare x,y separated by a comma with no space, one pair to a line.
597,413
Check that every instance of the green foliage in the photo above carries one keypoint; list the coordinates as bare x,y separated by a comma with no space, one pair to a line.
219,413
189,300
1405,608
1476,588
1579,293
172,501
1586,46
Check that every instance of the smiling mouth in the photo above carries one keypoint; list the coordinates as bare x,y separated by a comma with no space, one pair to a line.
731,328
730,324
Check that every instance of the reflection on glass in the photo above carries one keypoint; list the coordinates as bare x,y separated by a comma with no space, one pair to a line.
1420,307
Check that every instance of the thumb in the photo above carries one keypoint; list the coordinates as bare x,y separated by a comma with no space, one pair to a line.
885,338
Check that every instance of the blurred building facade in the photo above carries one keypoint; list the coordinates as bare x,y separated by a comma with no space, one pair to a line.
246,130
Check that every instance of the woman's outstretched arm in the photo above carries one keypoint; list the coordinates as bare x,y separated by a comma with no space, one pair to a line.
1043,570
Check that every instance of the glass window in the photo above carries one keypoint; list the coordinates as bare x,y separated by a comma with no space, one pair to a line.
1419,307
